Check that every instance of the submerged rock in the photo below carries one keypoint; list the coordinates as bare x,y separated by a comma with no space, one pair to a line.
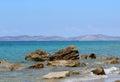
4,63
69,53
61,74
57,63
36,66
75,72
15,66
38,55
90,56
112,61
73,63
6,66
85,71
68,63
99,71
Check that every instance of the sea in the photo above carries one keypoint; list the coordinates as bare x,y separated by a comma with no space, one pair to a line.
15,52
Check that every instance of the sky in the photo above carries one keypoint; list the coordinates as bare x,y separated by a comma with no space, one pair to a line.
59,17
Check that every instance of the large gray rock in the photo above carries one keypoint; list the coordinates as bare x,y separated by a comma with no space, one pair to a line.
69,53
61,74
38,55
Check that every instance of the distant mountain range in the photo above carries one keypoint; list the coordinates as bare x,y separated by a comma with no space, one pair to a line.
98,37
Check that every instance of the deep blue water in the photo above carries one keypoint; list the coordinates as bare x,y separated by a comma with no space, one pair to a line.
15,51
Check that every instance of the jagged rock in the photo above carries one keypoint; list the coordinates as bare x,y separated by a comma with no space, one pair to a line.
36,66
68,63
38,55
69,53
91,56
61,74
99,71
112,61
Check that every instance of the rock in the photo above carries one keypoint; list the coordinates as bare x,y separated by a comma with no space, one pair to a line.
91,56
112,61
75,72
57,63
69,53
36,66
99,71
117,81
73,63
61,74
15,66
68,63
4,63
5,66
38,55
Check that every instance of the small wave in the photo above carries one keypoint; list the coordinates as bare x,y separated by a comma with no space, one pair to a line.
111,70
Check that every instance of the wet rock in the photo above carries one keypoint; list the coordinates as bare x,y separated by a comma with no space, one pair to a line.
57,63
117,81
68,63
90,56
36,66
73,63
38,55
15,66
5,66
99,71
75,72
4,63
112,61
61,74
69,53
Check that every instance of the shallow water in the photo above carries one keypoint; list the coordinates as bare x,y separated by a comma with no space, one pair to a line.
16,51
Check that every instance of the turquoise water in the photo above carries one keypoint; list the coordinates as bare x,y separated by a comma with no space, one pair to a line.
15,51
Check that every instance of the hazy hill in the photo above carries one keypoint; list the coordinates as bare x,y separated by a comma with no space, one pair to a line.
98,37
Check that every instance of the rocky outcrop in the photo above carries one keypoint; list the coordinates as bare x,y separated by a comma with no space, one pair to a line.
38,55
61,74
69,53
112,61
36,66
99,71
90,56
67,63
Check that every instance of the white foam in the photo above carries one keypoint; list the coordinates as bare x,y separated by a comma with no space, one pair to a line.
110,70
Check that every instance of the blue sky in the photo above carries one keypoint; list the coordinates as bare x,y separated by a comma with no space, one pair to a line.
59,17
